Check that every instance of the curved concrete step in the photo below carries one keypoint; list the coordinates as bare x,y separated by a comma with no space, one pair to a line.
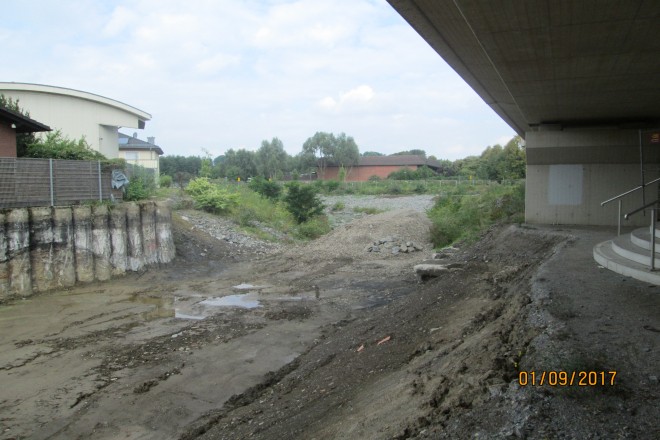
605,256
642,237
624,247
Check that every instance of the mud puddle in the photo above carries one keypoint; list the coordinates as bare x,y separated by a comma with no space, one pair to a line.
199,307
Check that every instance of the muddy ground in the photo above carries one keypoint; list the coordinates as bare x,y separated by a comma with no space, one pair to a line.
329,341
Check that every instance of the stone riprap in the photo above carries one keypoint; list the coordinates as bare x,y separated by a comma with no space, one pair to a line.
393,245
45,248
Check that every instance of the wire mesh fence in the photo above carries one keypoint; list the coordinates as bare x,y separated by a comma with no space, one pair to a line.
26,182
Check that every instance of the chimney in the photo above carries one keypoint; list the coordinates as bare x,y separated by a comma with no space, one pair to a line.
151,140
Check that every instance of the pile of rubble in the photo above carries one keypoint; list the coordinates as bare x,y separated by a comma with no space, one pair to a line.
393,245
439,264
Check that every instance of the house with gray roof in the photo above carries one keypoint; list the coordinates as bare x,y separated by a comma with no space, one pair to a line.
138,152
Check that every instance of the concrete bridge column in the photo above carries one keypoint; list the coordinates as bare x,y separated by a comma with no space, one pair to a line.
570,172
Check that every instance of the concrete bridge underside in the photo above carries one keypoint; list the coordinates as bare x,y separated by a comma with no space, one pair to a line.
577,79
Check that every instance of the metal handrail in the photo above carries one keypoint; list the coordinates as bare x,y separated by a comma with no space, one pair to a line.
629,192
654,215
641,208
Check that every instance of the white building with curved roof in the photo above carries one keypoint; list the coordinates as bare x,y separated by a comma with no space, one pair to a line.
77,114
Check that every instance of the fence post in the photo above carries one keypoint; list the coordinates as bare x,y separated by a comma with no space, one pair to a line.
100,188
52,192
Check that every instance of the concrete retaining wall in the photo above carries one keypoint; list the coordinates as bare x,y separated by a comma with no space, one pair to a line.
49,248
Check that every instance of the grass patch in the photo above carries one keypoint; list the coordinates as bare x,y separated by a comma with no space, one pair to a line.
367,210
313,228
401,187
463,215
339,206
252,208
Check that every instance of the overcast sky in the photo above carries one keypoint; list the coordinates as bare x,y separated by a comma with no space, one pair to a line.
220,74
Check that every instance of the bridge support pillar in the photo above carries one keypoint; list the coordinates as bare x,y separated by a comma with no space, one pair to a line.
570,172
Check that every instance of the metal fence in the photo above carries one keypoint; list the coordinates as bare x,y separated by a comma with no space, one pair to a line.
28,182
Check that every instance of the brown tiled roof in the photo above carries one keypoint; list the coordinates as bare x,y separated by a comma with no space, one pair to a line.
409,159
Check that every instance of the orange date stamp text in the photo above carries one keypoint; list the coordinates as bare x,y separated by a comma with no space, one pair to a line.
566,378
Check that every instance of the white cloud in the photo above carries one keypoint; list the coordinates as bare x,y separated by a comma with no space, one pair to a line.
216,63
328,103
121,19
353,99
503,140
359,94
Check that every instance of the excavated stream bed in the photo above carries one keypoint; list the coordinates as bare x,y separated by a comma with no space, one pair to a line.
325,340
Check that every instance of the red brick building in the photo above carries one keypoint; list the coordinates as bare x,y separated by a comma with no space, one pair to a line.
380,166
12,123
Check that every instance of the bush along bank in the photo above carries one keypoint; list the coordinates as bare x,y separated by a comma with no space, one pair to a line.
463,216
294,209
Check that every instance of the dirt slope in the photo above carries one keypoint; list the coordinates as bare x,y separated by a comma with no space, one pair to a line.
450,353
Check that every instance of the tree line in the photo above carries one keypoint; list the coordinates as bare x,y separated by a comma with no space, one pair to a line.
271,161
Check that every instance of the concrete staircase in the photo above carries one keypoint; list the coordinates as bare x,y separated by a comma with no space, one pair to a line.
630,255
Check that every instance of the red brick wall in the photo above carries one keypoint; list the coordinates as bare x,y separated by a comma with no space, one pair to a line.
7,140
361,174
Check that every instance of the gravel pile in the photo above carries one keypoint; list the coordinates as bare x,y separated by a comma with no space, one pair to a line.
418,203
225,229
353,239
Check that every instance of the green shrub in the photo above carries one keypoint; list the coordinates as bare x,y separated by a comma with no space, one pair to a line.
245,215
55,145
165,181
136,190
403,174
216,201
199,186
314,227
141,184
374,179
252,207
302,201
341,175
210,197
331,185
422,172
266,188
395,189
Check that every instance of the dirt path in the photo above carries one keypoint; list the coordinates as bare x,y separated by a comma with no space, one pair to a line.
332,341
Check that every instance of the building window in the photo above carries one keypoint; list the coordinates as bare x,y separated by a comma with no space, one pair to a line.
131,155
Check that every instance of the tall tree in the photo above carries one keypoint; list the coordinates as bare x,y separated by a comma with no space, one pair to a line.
514,159
414,152
239,163
340,150
170,165
321,145
302,163
346,153
271,158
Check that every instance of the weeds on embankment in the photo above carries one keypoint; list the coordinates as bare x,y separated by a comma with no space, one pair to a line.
464,214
